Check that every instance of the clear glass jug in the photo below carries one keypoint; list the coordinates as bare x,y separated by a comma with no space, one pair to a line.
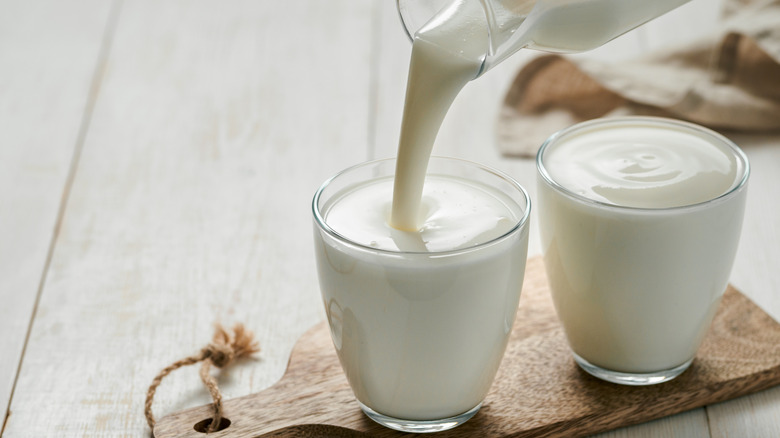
564,26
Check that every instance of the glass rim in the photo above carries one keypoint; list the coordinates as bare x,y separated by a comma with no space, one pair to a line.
707,133
521,223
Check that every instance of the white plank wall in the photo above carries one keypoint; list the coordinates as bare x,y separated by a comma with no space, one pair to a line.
49,55
197,131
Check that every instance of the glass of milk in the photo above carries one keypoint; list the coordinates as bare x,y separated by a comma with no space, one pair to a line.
420,320
640,219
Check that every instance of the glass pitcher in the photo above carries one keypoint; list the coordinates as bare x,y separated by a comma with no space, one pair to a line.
563,26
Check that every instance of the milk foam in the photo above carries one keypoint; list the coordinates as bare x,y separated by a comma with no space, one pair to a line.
455,213
642,165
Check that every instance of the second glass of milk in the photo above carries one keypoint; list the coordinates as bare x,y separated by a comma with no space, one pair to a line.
640,220
420,320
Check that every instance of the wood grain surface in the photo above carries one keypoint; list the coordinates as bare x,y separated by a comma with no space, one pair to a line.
199,138
49,59
538,392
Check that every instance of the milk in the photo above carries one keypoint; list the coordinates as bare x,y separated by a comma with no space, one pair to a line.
421,291
640,220
420,303
642,165
550,25
455,213
469,36
420,320
421,277
579,25
447,53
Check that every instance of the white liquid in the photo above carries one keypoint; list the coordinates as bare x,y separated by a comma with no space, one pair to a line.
446,54
640,165
455,214
414,337
579,25
421,334
636,288
449,51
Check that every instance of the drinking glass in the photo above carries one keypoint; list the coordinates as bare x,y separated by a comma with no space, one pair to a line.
420,335
637,288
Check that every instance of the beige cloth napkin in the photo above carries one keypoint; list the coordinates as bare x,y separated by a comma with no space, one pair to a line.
729,81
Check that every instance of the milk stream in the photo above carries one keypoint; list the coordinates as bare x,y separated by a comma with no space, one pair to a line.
468,36
446,54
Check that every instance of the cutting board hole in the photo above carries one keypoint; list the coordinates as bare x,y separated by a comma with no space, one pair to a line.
203,425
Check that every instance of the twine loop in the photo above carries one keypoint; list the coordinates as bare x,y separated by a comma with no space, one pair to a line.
220,352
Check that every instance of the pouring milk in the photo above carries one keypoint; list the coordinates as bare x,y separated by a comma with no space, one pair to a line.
400,258
467,37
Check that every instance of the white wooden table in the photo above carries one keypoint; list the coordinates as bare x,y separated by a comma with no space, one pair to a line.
157,161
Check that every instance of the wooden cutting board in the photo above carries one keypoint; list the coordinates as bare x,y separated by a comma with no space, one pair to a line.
539,390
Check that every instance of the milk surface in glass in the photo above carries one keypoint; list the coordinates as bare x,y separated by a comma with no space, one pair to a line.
420,319
640,220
